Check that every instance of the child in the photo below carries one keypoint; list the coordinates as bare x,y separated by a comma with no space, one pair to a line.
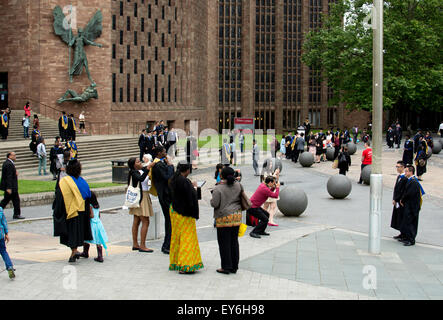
98,232
5,238
25,123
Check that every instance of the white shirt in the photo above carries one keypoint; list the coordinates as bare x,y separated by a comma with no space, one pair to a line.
81,117
146,185
441,126
41,150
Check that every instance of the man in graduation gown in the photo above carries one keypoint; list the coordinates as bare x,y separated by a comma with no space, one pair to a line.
142,144
72,127
410,201
162,171
53,155
4,125
150,144
398,135
398,192
417,140
390,138
72,147
408,152
63,126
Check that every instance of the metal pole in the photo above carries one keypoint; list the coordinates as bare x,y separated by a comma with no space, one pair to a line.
377,122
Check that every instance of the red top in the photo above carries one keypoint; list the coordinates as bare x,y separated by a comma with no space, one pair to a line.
27,110
262,194
367,156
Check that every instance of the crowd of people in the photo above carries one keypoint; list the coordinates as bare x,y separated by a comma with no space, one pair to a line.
76,211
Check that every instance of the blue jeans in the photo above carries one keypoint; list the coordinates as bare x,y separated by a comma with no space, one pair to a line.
5,254
25,132
41,164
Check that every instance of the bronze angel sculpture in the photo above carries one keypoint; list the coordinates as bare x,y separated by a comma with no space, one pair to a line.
84,37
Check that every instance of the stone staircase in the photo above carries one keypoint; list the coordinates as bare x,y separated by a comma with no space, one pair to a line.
48,127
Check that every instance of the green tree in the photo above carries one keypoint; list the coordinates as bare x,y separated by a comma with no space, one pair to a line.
413,73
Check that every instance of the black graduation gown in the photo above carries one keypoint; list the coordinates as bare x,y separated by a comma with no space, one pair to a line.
72,232
149,145
408,153
53,157
390,138
398,135
398,192
411,209
70,130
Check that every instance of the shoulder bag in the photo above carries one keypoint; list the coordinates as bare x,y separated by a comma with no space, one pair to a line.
245,202
133,195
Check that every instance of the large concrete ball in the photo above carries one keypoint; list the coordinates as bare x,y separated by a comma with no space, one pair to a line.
339,186
276,163
429,153
330,152
352,148
366,174
306,159
293,201
437,147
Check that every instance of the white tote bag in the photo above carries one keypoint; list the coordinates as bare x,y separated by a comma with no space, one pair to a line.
132,199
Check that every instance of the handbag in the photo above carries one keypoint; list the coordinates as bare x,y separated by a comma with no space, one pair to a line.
335,164
245,202
133,195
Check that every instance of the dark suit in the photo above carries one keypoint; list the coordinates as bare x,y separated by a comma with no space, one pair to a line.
397,213
142,145
9,181
161,173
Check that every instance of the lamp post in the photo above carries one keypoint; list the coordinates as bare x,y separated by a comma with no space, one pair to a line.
376,189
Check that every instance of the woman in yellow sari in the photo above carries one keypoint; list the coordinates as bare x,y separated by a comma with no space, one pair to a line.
184,254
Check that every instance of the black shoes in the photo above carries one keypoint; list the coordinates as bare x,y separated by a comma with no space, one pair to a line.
254,235
264,234
165,251
223,271
399,237
18,217
408,243
148,250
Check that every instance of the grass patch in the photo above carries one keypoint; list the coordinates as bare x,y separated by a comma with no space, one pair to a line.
34,186
216,141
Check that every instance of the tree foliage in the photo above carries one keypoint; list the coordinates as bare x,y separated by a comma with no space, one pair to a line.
413,73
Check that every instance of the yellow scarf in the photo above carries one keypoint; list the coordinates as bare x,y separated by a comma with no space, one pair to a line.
72,197
153,190
64,124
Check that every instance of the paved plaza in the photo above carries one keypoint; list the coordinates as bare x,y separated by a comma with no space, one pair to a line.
323,254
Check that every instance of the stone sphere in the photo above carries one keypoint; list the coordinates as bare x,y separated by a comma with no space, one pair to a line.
276,163
339,186
429,153
330,152
306,159
352,148
437,147
366,174
293,201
